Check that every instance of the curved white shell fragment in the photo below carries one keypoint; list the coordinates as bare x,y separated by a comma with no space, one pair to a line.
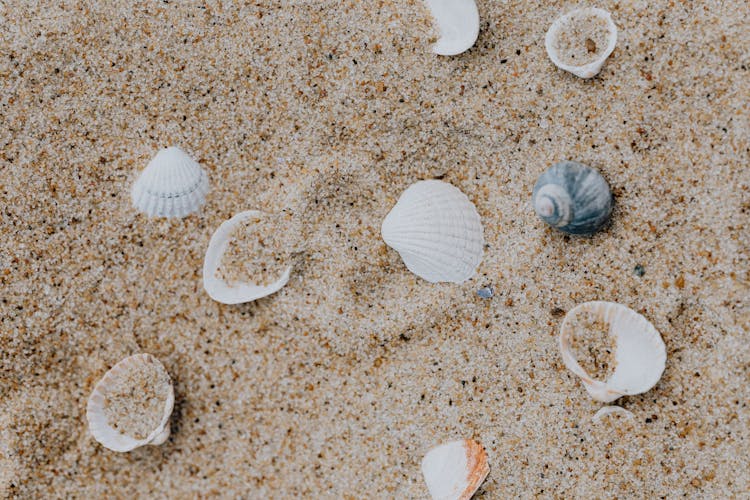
605,411
99,427
218,289
437,231
558,29
455,470
459,25
171,185
640,352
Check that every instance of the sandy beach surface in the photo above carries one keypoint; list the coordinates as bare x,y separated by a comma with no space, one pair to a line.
336,386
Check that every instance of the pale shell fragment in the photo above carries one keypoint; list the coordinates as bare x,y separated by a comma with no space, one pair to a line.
592,68
605,411
99,427
220,290
640,353
171,185
437,231
458,21
455,470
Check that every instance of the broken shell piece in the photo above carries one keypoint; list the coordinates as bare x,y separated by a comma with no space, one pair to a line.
171,185
130,406
234,293
611,410
455,470
437,231
580,41
640,354
458,21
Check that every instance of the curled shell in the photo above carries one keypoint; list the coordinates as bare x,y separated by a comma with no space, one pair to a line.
588,32
437,231
100,426
458,21
455,470
220,290
573,198
171,185
640,353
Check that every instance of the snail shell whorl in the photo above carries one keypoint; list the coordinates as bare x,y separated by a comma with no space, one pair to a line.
553,205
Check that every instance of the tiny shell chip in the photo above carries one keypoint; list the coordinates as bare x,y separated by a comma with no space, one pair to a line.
587,33
606,411
640,353
455,470
222,291
437,231
171,185
459,25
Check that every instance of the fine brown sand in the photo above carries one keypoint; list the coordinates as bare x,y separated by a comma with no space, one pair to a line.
337,385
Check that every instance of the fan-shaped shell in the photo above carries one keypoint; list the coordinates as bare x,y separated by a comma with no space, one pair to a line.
437,231
458,21
573,198
565,26
640,352
455,470
99,426
218,289
171,185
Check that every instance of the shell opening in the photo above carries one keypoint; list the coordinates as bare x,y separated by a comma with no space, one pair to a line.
581,41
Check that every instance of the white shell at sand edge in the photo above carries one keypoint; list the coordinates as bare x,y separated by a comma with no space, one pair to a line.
455,470
106,435
220,290
437,231
591,69
640,353
458,21
171,185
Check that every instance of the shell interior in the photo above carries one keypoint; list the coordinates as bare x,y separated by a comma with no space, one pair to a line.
458,21
564,25
455,470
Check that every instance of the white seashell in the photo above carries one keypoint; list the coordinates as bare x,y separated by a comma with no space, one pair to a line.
605,411
567,22
100,428
458,21
640,353
218,289
171,185
455,470
437,231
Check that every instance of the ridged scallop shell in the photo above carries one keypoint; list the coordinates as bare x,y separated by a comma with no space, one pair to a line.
100,429
455,470
458,21
171,185
592,68
437,231
640,353
573,198
218,289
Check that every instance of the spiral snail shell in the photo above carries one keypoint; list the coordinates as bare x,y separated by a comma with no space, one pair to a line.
573,198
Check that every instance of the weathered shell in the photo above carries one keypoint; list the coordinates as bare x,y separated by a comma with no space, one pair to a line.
455,470
171,185
437,231
562,23
218,289
100,429
458,21
640,352
573,198
606,411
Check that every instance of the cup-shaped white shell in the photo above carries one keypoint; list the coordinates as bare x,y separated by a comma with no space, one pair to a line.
640,354
455,470
220,290
437,231
458,21
100,428
563,23
171,185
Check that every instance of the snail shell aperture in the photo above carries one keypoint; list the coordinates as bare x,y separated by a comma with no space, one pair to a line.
573,198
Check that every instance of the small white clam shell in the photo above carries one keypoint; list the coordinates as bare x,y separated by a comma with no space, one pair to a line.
220,290
458,21
561,23
106,435
640,352
171,185
437,231
455,470
605,411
